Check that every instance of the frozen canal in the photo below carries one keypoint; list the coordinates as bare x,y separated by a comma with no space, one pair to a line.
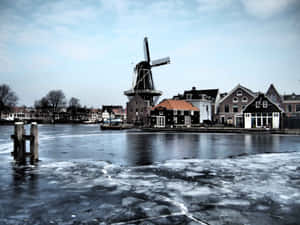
91,177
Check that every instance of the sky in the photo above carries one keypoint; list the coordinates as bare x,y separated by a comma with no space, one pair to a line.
89,48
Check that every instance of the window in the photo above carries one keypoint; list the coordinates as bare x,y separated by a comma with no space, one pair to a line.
226,108
244,99
160,121
239,93
257,104
289,108
265,104
235,108
298,108
235,100
189,96
258,121
175,112
175,119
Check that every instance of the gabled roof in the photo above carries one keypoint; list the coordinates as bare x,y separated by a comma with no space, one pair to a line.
172,104
272,88
234,89
261,95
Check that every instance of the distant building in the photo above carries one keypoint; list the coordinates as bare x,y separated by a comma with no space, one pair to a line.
262,112
174,113
232,104
205,100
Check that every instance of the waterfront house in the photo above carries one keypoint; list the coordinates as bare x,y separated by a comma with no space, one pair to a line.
262,112
175,113
205,100
231,105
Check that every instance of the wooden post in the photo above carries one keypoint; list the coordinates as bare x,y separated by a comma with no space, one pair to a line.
34,142
19,142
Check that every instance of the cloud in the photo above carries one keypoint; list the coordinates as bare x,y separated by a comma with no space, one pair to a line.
266,8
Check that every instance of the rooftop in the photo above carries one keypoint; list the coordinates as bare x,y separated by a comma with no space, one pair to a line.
176,105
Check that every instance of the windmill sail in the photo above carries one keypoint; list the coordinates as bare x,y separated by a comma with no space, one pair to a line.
159,62
146,50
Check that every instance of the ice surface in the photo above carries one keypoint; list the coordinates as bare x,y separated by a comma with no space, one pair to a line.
241,190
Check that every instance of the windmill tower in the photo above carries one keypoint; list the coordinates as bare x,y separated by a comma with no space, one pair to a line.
143,95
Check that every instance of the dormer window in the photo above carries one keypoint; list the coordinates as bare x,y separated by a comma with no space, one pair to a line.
265,104
239,93
235,100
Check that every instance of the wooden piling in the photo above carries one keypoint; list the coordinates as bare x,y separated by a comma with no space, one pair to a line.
34,142
19,151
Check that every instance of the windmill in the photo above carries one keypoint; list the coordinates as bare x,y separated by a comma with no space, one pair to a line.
143,84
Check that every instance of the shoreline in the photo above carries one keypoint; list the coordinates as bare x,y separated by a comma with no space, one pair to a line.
225,130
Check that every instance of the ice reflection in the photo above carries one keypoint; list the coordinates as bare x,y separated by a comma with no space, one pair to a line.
139,149
24,180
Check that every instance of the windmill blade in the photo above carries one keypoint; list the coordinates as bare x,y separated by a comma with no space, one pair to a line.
146,50
159,62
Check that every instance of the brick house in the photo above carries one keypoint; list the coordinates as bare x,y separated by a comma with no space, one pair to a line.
174,113
138,110
231,105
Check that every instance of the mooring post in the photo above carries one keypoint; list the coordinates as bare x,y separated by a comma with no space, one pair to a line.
34,142
19,142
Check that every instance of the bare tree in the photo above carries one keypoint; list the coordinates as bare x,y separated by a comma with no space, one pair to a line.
56,100
42,104
8,98
74,103
52,102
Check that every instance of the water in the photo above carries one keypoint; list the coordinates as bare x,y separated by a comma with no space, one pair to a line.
86,142
88,176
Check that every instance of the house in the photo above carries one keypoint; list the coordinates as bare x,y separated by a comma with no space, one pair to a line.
291,104
205,100
231,105
174,113
262,112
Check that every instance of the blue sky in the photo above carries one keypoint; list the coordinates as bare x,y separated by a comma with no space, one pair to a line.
89,48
